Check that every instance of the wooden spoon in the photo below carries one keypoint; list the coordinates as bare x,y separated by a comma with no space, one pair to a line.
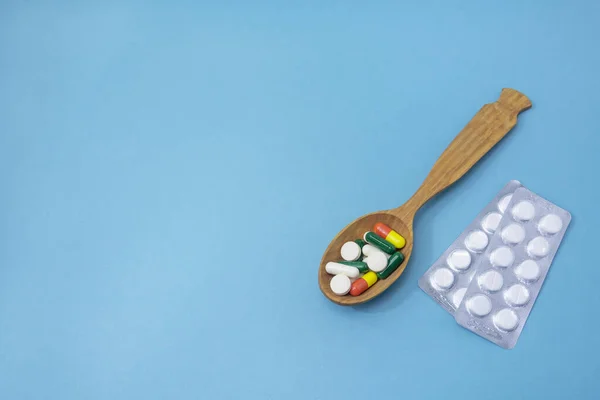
491,123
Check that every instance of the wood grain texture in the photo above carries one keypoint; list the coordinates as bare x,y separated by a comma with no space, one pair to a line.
491,123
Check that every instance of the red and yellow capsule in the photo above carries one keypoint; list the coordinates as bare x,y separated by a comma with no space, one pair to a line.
361,284
390,235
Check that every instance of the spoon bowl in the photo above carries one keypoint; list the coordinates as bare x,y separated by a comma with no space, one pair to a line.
491,123
354,231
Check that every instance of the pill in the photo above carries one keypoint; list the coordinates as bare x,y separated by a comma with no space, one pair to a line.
476,241
523,211
491,281
538,247
377,262
443,278
506,320
334,268
340,284
393,263
360,242
390,235
360,265
491,221
513,234
368,250
502,257
379,242
479,305
459,260
457,297
350,251
517,295
503,203
361,284
528,271
550,224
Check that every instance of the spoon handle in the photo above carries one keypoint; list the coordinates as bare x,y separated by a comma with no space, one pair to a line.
491,123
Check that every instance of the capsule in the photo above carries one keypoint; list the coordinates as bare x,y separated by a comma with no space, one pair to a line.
390,235
360,285
334,268
360,242
393,263
379,242
361,266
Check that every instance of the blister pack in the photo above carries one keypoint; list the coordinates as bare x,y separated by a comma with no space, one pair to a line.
511,272
446,281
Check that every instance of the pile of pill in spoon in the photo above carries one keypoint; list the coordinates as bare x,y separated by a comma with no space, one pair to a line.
365,261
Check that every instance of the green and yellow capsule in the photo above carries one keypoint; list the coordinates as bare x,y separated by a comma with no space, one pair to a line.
379,242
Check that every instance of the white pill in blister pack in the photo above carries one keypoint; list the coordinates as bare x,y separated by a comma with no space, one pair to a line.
459,260
502,257
506,319
528,270
550,224
491,221
479,305
516,295
498,301
443,278
503,203
476,241
513,234
447,279
458,296
538,247
491,281
523,211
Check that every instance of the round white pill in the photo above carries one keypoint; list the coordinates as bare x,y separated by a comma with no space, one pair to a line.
370,249
457,297
538,247
479,305
506,320
550,224
491,281
350,251
502,257
513,234
476,241
491,221
517,295
443,278
340,284
377,262
503,203
528,271
459,260
523,211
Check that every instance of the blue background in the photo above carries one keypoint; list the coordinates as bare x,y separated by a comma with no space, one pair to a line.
171,174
